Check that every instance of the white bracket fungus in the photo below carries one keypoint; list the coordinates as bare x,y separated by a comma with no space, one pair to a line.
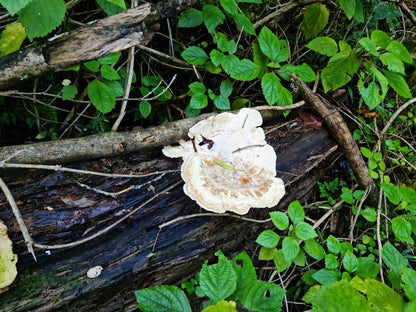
94,272
228,166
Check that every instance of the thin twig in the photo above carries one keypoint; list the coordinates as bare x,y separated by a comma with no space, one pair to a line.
28,239
367,191
280,108
380,246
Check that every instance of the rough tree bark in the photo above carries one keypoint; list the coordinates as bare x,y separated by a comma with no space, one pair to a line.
140,252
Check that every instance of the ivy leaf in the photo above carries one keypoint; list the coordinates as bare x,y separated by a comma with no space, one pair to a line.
323,45
194,55
40,17
244,23
350,262
145,108
315,19
112,7
348,6
325,276
109,73
212,17
198,101
101,96
402,229
397,82
218,281
305,231
400,51
256,300
222,102
69,92
12,38
369,45
380,38
244,70
162,299
268,239
280,220
190,18
295,212
290,248
14,6
333,244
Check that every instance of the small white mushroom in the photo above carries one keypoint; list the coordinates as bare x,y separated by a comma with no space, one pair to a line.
94,272
228,166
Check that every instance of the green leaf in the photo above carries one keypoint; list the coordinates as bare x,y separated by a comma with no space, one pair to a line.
216,57
109,73
333,244
385,10
197,87
218,281
101,96
162,94
305,231
397,82
244,23
369,214
190,112
249,1
270,86
367,268
276,50
400,51
222,306
212,17
40,17
344,247
145,108
402,229
313,249
366,152
246,275
12,38
115,87
369,45
256,299
194,55
267,253
304,72
151,81
198,101
300,259
380,38
392,192
392,62
307,277
295,212
69,92
348,6
325,276
315,19
409,283
331,262
229,6
280,261
228,62
162,299
393,258
226,88
408,194
222,42
290,248
109,59
350,262
347,195
190,18
280,220
323,45
92,66
359,12
112,7
14,6
244,70
371,95
222,102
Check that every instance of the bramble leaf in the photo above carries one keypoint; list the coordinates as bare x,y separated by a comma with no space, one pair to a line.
246,275
305,231
392,62
197,87
109,73
333,244
222,102
244,70
244,23
190,18
280,220
369,45
393,258
325,276
400,51
109,59
198,101
257,301
397,82
315,19
290,248
162,299
226,87
229,6
402,229
268,239
348,6
194,55
270,86
12,38
380,38
112,7
212,17
323,45
222,306
276,50
69,92
101,96
296,212
392,192
350,262
313,249
14,6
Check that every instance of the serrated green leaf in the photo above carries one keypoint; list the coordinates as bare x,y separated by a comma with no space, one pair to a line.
244,23
112,7
359,12
69,92
280,220
392,62
229,6
296,212
392,192
244,70
109,59
290,248
307,277
280,261
246,275
197,87
222,306
257,301
347,195
212,17
190,18
402,229
303,71
109,73
151,81
190,112
40,17
400,51
333,244
268,239
385,10
393,258
272,47
198,101
313,249
162,299
194,55
397,82
369,45
325,276
267,253
14,6
300,259
369,214
323,45
380,38
145,108
371,95
228,62
218,281
344,247
92,66
216,57
331,262
350,262
209,66
101,96
270,86
222,42
348,6
305,231
162,94
249,1
315,19
222,102
285,97
12,38
115,87
366,152
409,283
226,87
408,194
367,268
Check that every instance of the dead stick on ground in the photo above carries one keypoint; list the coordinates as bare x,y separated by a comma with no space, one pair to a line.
19,218
342,135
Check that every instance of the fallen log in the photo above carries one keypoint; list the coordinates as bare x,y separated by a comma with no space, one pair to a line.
165,240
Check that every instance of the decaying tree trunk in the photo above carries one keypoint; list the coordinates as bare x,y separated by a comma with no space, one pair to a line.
161,243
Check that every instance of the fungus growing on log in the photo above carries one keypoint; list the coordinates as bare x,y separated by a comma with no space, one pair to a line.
228,166
8,260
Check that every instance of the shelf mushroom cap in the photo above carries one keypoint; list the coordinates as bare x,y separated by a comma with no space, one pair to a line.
228,166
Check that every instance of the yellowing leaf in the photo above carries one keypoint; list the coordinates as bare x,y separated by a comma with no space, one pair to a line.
222,306
226,166
12,38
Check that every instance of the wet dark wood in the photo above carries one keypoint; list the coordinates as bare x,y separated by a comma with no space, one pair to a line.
58,210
